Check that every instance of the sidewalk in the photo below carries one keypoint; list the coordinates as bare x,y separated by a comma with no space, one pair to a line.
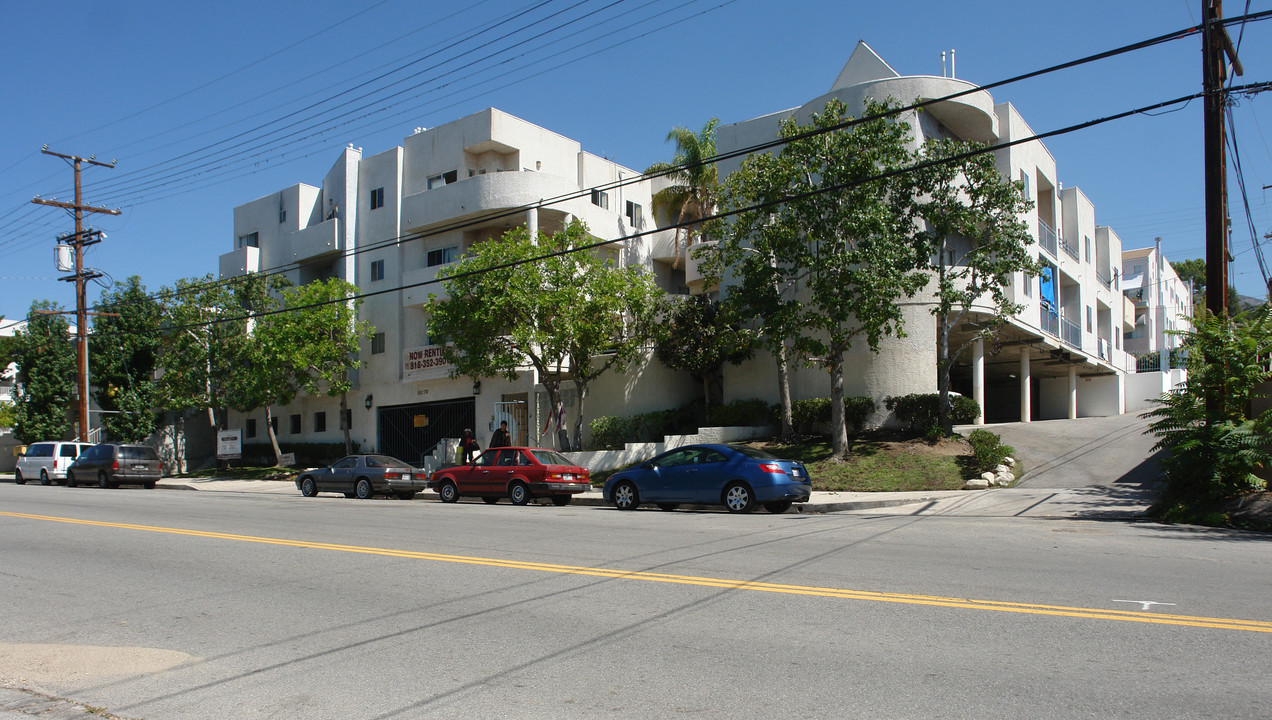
1090,502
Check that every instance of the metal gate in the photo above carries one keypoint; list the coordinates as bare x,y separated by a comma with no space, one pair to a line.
409,432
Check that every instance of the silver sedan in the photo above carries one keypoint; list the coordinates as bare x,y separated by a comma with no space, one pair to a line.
363,476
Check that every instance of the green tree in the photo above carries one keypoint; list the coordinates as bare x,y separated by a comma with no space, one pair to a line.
971,242
272,380
124,352
1216,450
699,337
842,233
516,301
45,357
319,339
691,194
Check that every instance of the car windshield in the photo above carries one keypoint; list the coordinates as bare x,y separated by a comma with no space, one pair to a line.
752,452
551,457
384,461
137,452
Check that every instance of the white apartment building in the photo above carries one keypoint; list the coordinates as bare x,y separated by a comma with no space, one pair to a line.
390,221
1163,302
1063,355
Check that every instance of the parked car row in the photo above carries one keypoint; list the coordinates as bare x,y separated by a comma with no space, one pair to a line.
107,465
737,477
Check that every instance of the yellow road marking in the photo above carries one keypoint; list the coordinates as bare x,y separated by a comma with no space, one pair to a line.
842,593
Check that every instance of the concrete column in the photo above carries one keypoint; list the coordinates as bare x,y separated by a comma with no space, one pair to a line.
1026,410
1073,392
532,223
978,379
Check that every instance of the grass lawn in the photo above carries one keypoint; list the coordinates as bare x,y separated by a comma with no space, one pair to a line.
875,465
246,472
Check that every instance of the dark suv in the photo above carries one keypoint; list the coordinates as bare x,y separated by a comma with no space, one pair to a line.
110,465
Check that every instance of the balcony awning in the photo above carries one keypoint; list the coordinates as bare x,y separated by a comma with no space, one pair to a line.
1133,282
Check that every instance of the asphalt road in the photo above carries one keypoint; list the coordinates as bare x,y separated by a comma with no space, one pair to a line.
172,605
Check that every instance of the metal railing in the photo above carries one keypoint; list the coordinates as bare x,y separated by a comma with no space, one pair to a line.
1047,238
1071,333
1049,321
1103,280
1070,250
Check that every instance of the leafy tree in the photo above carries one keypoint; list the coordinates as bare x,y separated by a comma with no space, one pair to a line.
8,411
1216,449
510,306
847,230
272,379
691,195
205,329
1192,270
319,339
46,375
699,337
972,240
124,353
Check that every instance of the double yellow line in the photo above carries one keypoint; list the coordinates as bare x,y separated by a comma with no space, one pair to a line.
841,593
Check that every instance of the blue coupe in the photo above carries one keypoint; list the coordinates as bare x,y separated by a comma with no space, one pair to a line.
735,476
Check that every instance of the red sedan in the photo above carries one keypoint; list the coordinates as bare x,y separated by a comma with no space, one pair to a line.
518,474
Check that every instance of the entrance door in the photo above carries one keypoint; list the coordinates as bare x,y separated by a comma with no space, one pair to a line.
409,432
514,410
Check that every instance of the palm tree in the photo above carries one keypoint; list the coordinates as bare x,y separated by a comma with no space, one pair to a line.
691,195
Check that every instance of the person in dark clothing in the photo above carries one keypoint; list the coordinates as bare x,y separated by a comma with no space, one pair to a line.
468,447
501,438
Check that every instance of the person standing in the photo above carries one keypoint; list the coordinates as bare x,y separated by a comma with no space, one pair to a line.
501,438
468,447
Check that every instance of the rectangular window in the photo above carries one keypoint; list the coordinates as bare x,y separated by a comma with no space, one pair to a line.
445,178
633,213
295,424
442,256
249,240
377,344
1028,284
1088,248
1024,184
377,198
600,199
251,427
1117,338
377,270
1088,318
320,422
282,215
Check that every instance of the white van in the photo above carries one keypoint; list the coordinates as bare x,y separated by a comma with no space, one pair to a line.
47,461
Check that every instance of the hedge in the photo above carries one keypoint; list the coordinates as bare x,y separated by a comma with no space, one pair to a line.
921,411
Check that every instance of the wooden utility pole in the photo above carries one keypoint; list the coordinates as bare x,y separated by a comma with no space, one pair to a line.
81,278
1216,49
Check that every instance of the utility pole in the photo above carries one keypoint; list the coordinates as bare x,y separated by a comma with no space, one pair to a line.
1216,48
79,240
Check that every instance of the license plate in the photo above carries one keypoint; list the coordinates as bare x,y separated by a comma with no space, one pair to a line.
139,467
797,472
568,478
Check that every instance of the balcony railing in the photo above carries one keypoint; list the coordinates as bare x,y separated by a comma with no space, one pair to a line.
1072,333
1047,238
1070,250
1103,280
1048,321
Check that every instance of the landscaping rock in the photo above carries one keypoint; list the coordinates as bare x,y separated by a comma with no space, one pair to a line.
1009,461
976,484
988,476
1003,479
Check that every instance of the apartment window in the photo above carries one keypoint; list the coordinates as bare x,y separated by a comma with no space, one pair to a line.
377,198
377,270
1137,269
295,424
249,240
320,422
282,215
600,199
1024,184
445,178
1088,318
442,256
251,427
1117,338
1088,247
1028,284
377,344
633,213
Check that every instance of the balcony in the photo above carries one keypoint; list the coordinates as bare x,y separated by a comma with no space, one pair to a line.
1103,280
1048,320
1071,333
240,262
1047,238
693,266
417,284
488,193
1069,250
315,241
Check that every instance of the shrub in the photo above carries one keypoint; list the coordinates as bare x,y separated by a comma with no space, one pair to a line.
988,450
741,412
609,432
858,409
808,415
921,411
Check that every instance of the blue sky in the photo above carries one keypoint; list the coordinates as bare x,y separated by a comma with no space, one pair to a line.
156,85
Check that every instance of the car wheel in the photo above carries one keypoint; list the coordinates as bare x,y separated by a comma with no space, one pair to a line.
561,500
17,477
738,498
363,490
149,484
448,492
491,499
778,506
518,493
668,506
308,487
103,481
625,496
70,479
44,478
